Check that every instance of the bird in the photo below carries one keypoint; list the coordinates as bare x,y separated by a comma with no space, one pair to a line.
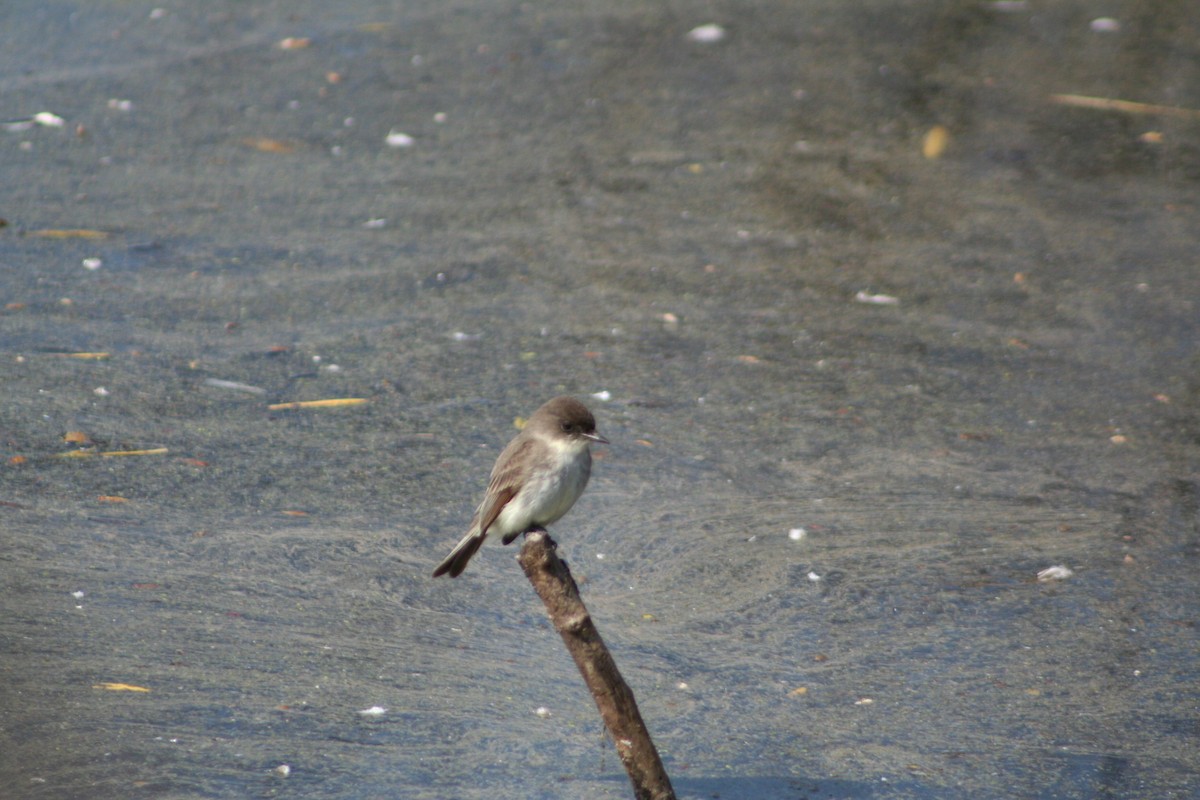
535,481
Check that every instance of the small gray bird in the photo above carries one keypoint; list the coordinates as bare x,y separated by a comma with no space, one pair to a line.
536,479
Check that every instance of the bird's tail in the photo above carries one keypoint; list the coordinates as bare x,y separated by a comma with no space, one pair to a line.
456,562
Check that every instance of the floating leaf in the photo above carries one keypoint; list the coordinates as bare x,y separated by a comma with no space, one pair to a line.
935,142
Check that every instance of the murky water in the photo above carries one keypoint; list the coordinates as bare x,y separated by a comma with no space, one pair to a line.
813,545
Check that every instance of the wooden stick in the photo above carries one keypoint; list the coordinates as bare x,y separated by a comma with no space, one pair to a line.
553,583
1126,106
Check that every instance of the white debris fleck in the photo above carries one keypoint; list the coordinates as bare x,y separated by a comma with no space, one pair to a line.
814,577
1056,573
157,13
77,594
397,139
1105,25
372,224
600,556
460,336
877,299
100,391
681,686
796,534
706,34
439,117
373,711
604,395
233,386
49,120
863,701
92,264
283,770
118,104
542,712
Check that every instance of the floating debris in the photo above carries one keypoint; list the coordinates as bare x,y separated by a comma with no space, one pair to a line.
68,233
706,34
1055,573
330,403
937,139
98,356
119,687
234,386
373,711
265,144
49,120
542,712
397,139
796,534
157,451
1126,106
92,264
877,299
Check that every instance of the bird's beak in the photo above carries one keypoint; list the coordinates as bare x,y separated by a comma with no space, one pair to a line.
595,437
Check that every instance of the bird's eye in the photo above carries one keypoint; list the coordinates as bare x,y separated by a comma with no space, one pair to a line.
566,426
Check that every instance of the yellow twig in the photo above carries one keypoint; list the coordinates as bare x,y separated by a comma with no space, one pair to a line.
1125,106
157,451
331,403
69,233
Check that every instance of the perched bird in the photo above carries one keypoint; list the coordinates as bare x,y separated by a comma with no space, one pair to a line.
536,479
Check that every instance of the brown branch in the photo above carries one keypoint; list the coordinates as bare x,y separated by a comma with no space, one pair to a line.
553,582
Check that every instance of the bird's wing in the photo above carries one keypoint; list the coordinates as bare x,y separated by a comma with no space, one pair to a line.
503,485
